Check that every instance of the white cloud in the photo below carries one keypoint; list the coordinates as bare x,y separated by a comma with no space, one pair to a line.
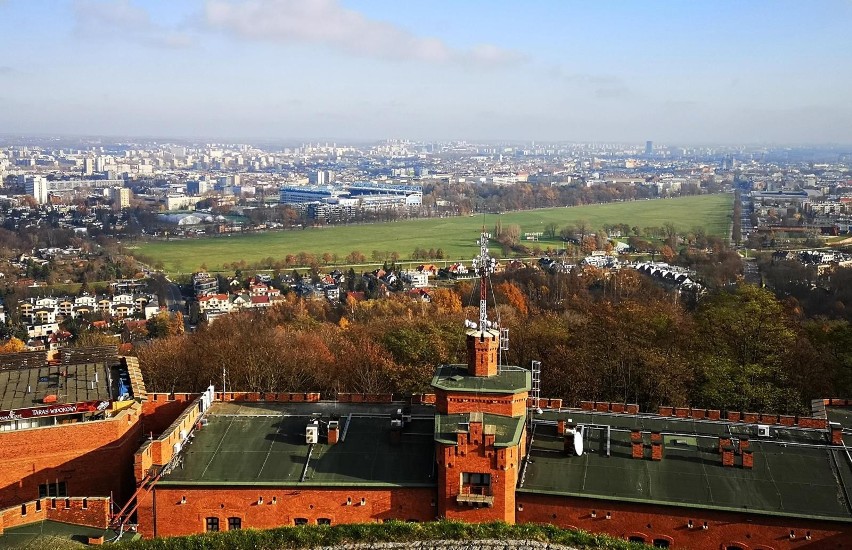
123,19
327,23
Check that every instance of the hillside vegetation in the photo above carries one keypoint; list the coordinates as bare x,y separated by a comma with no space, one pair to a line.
393,531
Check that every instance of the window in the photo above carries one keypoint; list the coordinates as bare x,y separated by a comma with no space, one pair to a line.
85,504
636,538
476,484
52,490
323,521
300,521
38,506
23,509
661,543
234,524
212,524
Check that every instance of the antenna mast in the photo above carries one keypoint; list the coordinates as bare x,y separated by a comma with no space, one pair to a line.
484,265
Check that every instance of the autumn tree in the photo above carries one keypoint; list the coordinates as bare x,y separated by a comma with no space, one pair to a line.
13,345
745,341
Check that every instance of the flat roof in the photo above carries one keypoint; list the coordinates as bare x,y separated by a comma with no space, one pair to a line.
795,471
457,378
23,388
50,534
264,444
507,429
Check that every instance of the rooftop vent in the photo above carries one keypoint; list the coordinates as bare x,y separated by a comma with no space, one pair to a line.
312,433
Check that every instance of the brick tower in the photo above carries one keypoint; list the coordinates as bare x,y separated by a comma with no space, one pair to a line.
480,429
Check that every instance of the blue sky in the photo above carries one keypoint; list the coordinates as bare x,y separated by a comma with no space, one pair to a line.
596,70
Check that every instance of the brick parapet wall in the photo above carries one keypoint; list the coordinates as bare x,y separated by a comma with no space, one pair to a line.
157,452
93,458
159,410
86,511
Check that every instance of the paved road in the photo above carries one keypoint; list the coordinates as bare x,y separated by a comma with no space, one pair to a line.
174,299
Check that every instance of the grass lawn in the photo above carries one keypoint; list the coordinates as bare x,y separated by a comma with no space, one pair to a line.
456,236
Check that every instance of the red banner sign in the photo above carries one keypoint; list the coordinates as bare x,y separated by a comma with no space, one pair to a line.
54,410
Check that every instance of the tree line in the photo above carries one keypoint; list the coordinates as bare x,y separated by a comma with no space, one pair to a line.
600,336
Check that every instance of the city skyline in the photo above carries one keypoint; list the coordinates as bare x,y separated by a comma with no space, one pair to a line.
761,72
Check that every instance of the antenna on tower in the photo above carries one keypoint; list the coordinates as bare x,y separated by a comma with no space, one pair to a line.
484,265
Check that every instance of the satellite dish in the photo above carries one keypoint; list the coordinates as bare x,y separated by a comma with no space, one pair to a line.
578,443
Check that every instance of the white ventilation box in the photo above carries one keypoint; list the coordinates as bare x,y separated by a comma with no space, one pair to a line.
763,430
312,434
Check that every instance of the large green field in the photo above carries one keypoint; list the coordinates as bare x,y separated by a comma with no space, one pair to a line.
456,236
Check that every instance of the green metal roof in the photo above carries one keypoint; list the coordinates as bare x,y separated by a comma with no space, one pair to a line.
507,429
795,472
51,534
265,445
456,378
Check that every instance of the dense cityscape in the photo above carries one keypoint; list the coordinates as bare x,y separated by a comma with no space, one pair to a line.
446,275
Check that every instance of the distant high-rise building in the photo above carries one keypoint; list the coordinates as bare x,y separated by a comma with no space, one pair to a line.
197,187
649,148
120,197
322,177
37,187
88,166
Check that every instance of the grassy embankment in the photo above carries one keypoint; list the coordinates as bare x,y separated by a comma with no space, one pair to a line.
456,236
395,531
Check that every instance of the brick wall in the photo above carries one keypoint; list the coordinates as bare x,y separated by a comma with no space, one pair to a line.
92,458
280,506
270,396
88,511
159,451
494,403
475,453
683,527
161,409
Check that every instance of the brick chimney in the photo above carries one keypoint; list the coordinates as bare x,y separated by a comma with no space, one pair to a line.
656,445
560,426
836,433
333,432
745,443
727,455
637,448
482,346
724,441
748,459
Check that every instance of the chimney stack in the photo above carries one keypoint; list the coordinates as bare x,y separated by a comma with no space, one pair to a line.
745,443
836,433
333,432
656,445
727,455
637,448
748,459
